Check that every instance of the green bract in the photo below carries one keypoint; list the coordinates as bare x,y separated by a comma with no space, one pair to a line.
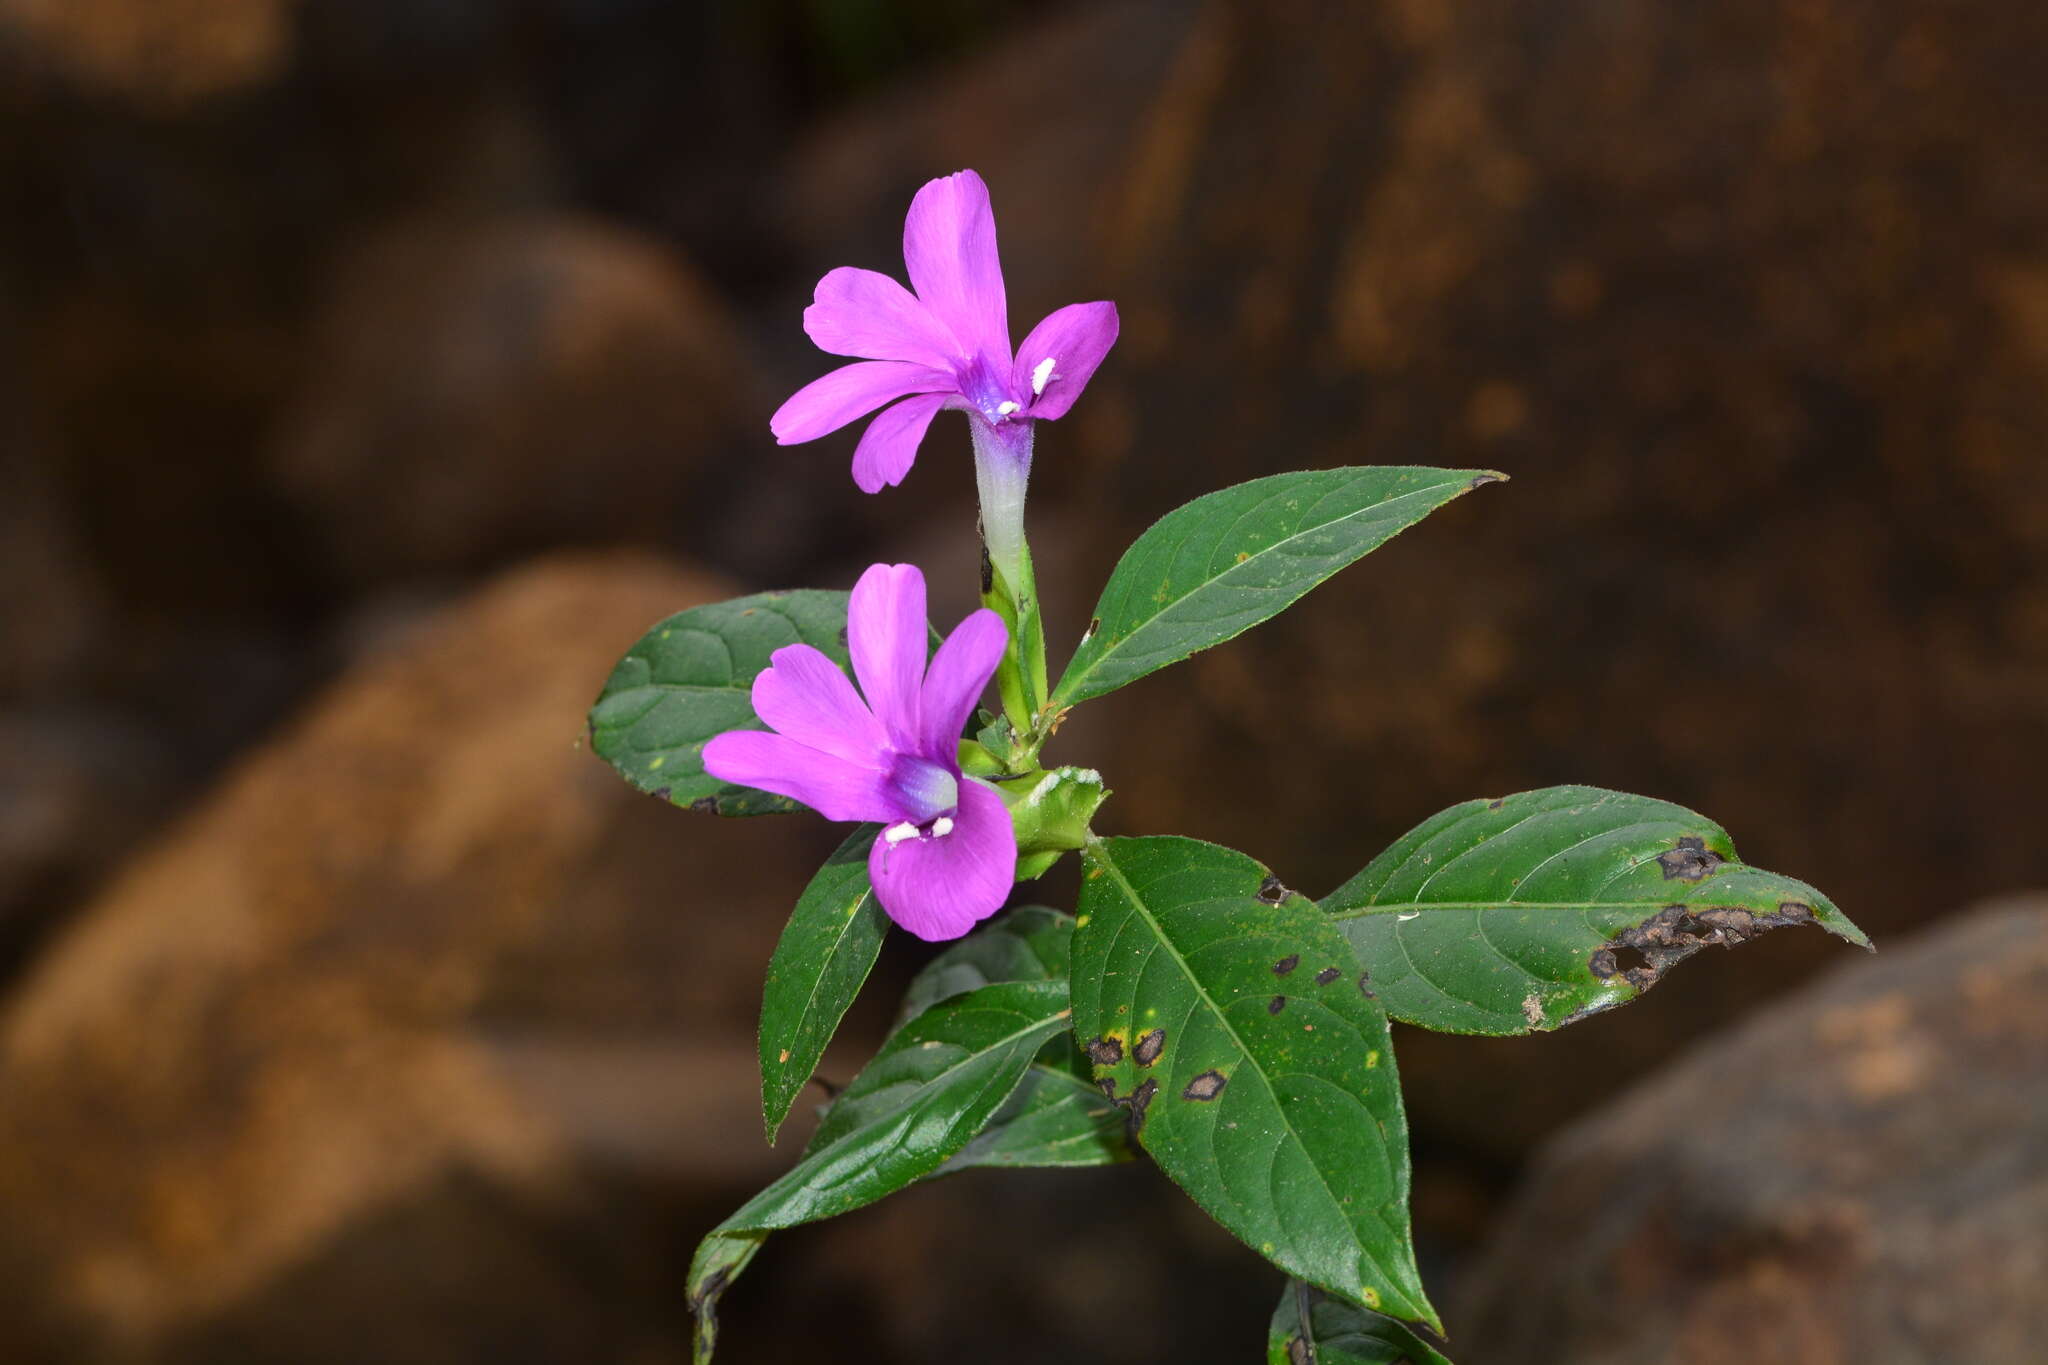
1193,1006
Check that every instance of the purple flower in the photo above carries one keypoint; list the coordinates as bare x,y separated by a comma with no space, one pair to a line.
946,346
947,855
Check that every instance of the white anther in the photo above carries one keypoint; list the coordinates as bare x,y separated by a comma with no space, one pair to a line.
1041,376
896,834
942,826
1006,407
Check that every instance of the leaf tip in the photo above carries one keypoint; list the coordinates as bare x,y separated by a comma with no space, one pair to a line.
1484,477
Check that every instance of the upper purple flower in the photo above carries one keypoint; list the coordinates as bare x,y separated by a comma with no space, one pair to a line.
947,855
946,346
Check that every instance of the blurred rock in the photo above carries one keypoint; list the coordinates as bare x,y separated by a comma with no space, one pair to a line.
483,387
77,786
408,1018
1859,1174
1748,302
162,54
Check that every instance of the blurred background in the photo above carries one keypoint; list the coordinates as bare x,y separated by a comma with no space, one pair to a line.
373,371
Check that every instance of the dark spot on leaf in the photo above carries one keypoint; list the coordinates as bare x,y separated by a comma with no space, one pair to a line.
843,641
661,793
1481,480
705,805
1299,1351
1327,975
1133,1104
1642,953
1206,1086
988,572
1149,1047
590,729
1690,861
1276,1004
1106,1051
1497,803
1094,624
714,1285
1365,985
1287,964
1272,892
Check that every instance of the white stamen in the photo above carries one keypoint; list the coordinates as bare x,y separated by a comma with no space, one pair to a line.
942,826
1041,376
1005,408
896,834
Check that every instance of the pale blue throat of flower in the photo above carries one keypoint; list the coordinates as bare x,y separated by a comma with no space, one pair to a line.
926,790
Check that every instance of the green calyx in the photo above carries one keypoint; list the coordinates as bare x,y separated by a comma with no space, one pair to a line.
1051,810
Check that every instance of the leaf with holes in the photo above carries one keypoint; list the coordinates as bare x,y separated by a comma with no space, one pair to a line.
1228,560
1533,911
825,953
691,677
1224,1014
1337,1333
933,1087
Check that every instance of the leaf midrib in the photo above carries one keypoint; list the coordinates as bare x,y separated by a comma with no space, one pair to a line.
1361,911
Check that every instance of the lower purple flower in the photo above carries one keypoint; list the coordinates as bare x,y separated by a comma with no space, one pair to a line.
947,856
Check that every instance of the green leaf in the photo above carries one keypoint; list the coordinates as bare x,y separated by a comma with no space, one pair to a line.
825,953
1340,1334
1533,911
1057,1117
1224,1013
690,678
1029,943
1231,559
931,1089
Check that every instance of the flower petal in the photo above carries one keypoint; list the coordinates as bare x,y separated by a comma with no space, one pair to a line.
831,786
830,402
888,447
954,682
867,314
949,246
803,695
940,887
1075,339
886,634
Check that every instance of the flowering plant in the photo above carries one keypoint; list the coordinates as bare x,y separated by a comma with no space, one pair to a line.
1192,1007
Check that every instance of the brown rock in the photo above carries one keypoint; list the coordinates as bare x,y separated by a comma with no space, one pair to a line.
1858,1175
1725,293
482,387
361,1030
156,53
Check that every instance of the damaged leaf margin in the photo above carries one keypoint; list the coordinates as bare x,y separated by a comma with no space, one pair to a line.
1530,912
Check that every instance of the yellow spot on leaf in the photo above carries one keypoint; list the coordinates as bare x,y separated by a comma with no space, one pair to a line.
784,1057
1242,556
657,763
1372,1059
1080,920
1370,1295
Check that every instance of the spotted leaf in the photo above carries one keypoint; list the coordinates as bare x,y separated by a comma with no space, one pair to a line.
1223,1014
1533,911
